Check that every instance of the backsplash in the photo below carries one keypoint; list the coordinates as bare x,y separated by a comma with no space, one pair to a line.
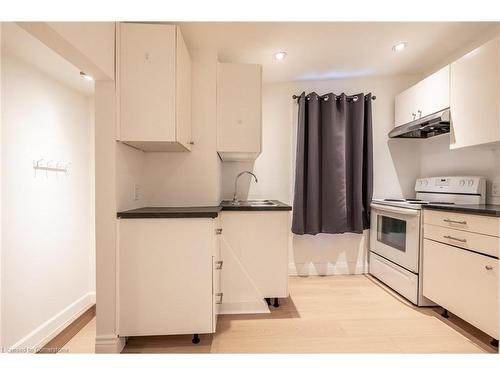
437,159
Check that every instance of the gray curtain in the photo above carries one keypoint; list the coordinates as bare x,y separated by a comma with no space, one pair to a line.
334,164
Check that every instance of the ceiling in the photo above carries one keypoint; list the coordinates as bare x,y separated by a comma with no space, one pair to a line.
329,50
19,43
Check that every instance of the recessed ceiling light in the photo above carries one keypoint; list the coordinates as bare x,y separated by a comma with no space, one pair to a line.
86,77
398,47
280,55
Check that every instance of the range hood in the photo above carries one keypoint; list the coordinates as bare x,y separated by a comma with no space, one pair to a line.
425,127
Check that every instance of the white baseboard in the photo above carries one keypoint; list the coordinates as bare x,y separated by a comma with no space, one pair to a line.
249,307
45,332
109,344
327,269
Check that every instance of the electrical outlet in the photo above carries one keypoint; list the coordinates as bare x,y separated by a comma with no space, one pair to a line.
495,189
137,192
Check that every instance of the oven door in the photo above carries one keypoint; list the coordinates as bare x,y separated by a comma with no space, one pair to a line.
395,235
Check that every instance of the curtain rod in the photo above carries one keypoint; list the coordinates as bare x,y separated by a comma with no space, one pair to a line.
325,96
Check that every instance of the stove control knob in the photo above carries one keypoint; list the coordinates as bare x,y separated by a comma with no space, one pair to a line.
425,182
470,182
462,183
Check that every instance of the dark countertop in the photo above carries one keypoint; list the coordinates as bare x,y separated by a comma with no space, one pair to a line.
193,212
170,212
280,206
478,209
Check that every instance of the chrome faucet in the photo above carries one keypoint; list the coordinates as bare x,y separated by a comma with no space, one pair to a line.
235,197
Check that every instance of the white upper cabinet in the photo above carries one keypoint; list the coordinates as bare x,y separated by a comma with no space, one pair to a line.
239,111
154,87
428,96
475,97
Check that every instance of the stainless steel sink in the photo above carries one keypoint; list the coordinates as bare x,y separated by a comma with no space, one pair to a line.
254,203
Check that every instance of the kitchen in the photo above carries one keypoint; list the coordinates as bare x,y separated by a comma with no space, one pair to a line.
199,239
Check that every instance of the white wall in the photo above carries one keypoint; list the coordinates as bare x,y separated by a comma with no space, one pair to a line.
1,183
107,340
395,166
91,125
47,241
129,173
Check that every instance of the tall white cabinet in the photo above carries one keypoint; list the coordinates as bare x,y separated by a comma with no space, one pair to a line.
475,97
239,111
169,276
154,87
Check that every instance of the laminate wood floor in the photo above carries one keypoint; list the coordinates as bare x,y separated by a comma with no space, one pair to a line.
329,314
83,342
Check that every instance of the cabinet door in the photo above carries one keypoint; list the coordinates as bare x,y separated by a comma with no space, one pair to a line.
147,82
183,92
405,104
165,276
259,241
433,93
239,108
428,96
475,97
463,282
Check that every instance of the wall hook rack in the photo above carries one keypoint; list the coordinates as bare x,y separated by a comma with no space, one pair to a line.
50,166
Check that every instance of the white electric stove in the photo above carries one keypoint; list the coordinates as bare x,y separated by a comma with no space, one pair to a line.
396,230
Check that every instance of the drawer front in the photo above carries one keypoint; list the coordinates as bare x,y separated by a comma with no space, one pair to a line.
471,223
402,281
463,282
481,243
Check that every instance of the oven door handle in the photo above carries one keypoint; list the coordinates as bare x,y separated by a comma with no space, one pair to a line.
396,210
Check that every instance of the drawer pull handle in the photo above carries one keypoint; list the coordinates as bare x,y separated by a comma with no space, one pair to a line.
489,268
220,295
455,239
219,264
463,222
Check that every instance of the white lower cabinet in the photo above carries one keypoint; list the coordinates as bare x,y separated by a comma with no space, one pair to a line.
464,282
255,252
168,276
